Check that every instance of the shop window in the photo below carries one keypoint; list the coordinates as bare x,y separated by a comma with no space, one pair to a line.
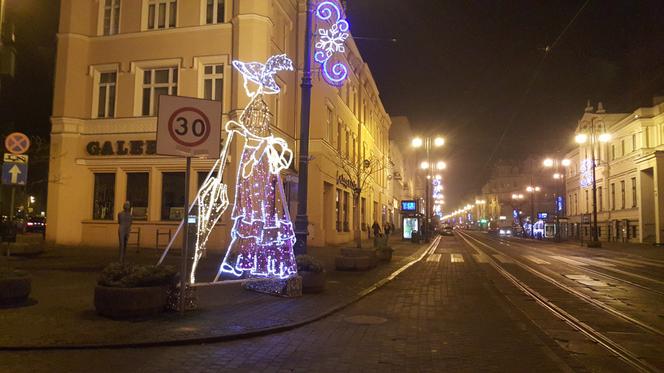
162,14
338,210
111,17
213,82
157,82
346,211
214,11
106,95
104,196
138,187
172,196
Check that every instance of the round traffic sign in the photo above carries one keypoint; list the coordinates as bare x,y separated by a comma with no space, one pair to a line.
17,143
189,126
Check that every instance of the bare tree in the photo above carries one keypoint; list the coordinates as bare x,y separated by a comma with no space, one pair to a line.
357,176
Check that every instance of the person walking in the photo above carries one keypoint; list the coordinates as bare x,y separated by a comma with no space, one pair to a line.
124,228
387,229
376,229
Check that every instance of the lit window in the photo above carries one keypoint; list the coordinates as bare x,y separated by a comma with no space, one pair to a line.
106,95
104,196
111,17
138,185
157,82
214,11
162,14
213,82
172,196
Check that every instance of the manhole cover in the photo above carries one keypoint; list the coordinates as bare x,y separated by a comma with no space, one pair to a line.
365,320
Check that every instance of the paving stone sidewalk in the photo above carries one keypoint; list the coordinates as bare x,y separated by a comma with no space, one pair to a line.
63,313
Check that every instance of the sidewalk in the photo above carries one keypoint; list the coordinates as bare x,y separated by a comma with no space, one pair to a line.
64,316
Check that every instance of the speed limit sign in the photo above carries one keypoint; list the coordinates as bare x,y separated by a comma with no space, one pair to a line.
188,126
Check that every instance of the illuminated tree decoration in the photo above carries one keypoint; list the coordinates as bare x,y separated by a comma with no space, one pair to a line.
331,41
586,171
262,236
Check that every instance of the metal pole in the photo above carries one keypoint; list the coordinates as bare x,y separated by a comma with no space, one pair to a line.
185,244
11,204
595,237
301,220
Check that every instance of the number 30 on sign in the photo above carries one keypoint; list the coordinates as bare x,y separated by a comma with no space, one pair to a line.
188,126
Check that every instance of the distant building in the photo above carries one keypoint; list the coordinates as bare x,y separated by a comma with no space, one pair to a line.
116,57
629,173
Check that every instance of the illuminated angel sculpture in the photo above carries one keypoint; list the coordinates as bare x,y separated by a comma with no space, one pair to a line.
262,236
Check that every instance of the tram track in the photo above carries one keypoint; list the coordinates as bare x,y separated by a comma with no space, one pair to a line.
600,273
597,336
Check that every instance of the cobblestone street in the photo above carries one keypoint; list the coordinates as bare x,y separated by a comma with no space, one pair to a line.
439,315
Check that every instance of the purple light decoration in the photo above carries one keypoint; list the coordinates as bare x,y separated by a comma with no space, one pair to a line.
330,42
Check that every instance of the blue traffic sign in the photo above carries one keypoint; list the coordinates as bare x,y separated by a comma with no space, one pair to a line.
14,173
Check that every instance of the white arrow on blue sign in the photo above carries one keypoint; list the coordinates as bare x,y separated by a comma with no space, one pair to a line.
14,173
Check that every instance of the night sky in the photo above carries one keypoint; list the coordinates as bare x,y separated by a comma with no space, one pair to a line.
469,70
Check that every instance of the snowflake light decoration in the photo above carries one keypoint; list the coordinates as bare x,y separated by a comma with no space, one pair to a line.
330,42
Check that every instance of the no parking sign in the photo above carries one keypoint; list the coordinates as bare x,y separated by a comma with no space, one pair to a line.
188,126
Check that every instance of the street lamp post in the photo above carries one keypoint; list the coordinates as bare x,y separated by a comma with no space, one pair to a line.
595,138
428,143
558,166
532,190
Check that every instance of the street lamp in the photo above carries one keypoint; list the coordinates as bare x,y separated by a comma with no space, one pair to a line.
532,190
597,135
428,166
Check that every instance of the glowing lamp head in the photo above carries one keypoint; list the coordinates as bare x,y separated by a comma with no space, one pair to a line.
424,165
438,141
441,165
566,162
548,162
438,177
605,137
557,176
530,189
581,138
417,142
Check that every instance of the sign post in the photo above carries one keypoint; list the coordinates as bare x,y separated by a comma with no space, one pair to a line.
187,127
15,165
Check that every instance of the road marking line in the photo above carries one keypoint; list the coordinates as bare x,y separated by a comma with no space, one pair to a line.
597,262
568,261
640,261
502,258
456,258
481,258
634,265
434,258
588,281
536,259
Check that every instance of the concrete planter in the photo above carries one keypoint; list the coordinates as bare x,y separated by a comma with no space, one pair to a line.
123,303
15,289
312,282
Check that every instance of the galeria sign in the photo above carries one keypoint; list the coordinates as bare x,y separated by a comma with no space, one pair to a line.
188,126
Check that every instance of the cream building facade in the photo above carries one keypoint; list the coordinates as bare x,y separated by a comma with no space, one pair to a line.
114,59
629,176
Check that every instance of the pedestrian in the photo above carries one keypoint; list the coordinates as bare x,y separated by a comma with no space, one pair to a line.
387,229
124,228
376,229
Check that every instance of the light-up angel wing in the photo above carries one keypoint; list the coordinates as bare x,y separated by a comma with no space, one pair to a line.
263,74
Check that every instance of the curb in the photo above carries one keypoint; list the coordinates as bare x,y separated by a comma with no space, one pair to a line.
234,336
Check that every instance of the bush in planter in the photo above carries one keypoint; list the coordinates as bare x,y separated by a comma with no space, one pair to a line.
15,286
312,272
128,290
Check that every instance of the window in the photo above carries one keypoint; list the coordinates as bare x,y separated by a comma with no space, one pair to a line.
338,210
576,203
104,196
613,196
138,185
613,152
601,198
111,17
172,196
157,82
633,142
622,148
633,192
339,137
213,82
201,177
106,91
622,194
354,151
162,14
569,205
214,11
346,211
330,125
347,144
363,211
587,209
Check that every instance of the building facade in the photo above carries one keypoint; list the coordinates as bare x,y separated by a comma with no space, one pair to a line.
116,57
629,176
